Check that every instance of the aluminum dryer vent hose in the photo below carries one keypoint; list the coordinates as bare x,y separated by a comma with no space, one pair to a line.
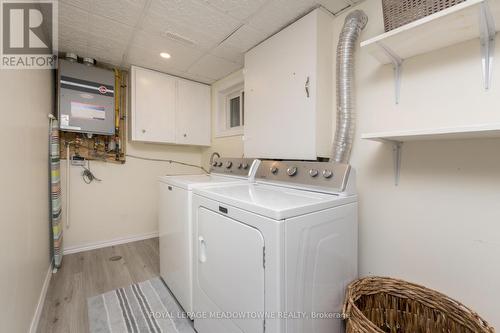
346,115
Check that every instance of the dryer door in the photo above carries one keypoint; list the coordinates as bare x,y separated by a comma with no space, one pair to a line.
229,275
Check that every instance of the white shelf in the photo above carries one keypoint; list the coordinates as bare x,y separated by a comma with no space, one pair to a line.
451,133
465,21
397,138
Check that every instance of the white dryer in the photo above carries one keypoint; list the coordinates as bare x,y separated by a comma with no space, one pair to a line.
276,255
175,224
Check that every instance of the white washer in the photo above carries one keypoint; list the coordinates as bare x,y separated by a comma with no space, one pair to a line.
175,224
285,246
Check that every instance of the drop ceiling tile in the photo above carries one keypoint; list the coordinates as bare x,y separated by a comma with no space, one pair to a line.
182,56
70,17
192,20
83,4
213,67
240,9
74,45
199,78
124,11
277,14
147,59
228,52
104,28
245,38
107,50
334,6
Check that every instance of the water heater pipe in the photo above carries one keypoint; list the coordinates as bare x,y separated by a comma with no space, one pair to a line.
68,197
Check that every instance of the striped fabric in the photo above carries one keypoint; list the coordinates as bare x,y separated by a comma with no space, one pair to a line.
142,307
55,182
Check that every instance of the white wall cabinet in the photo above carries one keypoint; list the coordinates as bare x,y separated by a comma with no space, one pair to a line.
193,113
168,109
288,91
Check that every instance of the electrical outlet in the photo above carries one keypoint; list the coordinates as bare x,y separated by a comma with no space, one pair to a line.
77,160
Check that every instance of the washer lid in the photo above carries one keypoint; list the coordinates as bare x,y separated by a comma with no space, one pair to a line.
188,182
276,202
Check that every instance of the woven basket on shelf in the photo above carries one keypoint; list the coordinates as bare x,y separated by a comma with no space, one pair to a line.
401,12
380,304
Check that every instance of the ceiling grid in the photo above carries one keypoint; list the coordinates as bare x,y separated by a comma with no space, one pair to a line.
206,39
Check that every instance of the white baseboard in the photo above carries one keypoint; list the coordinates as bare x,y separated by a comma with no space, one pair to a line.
116,241
41,301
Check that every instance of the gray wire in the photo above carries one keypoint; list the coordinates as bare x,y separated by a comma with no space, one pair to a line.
168,161
88,176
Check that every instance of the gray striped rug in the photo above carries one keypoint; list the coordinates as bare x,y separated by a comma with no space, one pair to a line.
142,307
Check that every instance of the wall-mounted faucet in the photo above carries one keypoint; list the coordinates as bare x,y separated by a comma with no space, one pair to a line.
212,157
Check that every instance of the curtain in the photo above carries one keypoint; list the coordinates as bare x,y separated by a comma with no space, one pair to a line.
55,191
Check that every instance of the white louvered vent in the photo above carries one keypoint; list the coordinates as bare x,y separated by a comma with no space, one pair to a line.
178,38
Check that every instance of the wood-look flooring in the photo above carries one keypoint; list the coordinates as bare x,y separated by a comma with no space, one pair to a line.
91,273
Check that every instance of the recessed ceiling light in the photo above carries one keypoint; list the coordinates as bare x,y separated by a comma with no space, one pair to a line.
165,55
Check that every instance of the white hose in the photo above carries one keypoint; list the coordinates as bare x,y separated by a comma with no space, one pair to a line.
68,197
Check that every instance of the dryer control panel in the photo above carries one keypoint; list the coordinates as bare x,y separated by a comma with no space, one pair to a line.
234,166
321,175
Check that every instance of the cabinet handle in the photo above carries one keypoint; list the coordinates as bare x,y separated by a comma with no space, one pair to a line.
185,135
143,131
307,87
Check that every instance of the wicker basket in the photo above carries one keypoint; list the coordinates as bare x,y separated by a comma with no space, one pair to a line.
379,304
401,12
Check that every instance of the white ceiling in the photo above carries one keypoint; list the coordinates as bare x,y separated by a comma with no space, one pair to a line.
206,38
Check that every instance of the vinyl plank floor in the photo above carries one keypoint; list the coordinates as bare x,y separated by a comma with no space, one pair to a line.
91,273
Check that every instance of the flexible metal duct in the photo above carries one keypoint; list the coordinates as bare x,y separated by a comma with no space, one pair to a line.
348,40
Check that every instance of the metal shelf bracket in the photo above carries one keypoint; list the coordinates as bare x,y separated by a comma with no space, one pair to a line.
397,64
397,149
487,33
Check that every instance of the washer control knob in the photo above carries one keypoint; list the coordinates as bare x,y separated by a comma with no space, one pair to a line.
245,166
291,171
219,164
274,170
313,172
240,165
229,164
214,163
327,173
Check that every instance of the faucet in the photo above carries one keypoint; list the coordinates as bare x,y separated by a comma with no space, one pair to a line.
212,157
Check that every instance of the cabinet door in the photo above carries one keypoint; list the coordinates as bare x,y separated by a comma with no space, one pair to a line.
280,112
153,106
193,113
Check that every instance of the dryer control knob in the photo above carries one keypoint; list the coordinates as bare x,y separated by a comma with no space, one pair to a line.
240,165
274,170
245,166
313,172
214,163
327,173
291,171
219,164
229,164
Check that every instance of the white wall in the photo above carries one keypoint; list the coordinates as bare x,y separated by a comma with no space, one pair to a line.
441,226
26,98
229,146
124,204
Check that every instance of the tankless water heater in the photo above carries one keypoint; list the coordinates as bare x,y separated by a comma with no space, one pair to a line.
86,98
